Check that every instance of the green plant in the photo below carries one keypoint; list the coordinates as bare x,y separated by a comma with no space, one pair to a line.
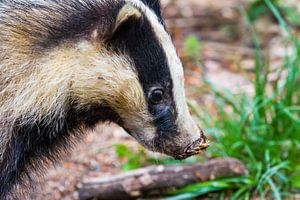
193,47
292,15
133,159
258,8
195,190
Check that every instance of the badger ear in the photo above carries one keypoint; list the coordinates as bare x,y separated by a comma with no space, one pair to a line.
127,21
127,14
124,19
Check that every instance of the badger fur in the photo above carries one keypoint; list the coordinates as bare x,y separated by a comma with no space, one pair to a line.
67,65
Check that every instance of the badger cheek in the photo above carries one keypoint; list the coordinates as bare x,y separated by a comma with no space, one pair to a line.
141,130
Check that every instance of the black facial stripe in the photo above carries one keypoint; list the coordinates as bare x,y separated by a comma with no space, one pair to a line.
83,17
72,19
137,38
60,21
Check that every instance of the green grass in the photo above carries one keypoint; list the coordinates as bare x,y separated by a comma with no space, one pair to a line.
260,8
193,47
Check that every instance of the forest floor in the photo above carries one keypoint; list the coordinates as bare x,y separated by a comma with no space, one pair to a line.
227,60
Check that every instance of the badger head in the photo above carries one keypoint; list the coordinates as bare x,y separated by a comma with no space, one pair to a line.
144,84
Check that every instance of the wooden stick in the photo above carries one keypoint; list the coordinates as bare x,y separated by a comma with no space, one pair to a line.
156,180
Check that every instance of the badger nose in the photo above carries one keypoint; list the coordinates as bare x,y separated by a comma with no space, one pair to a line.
194,148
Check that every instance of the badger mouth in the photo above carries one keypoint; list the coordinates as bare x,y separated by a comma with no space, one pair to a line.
191,149
194,148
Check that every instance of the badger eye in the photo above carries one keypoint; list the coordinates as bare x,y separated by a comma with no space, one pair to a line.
156,96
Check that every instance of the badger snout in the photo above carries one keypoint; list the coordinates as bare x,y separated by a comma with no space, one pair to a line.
194,148
181,146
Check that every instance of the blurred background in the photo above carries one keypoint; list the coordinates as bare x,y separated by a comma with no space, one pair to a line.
241,61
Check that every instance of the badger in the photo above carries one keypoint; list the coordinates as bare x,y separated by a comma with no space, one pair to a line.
66,66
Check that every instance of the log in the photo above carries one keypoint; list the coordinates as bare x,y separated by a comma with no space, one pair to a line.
157,180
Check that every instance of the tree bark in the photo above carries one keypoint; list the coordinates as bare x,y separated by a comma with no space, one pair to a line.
156,180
